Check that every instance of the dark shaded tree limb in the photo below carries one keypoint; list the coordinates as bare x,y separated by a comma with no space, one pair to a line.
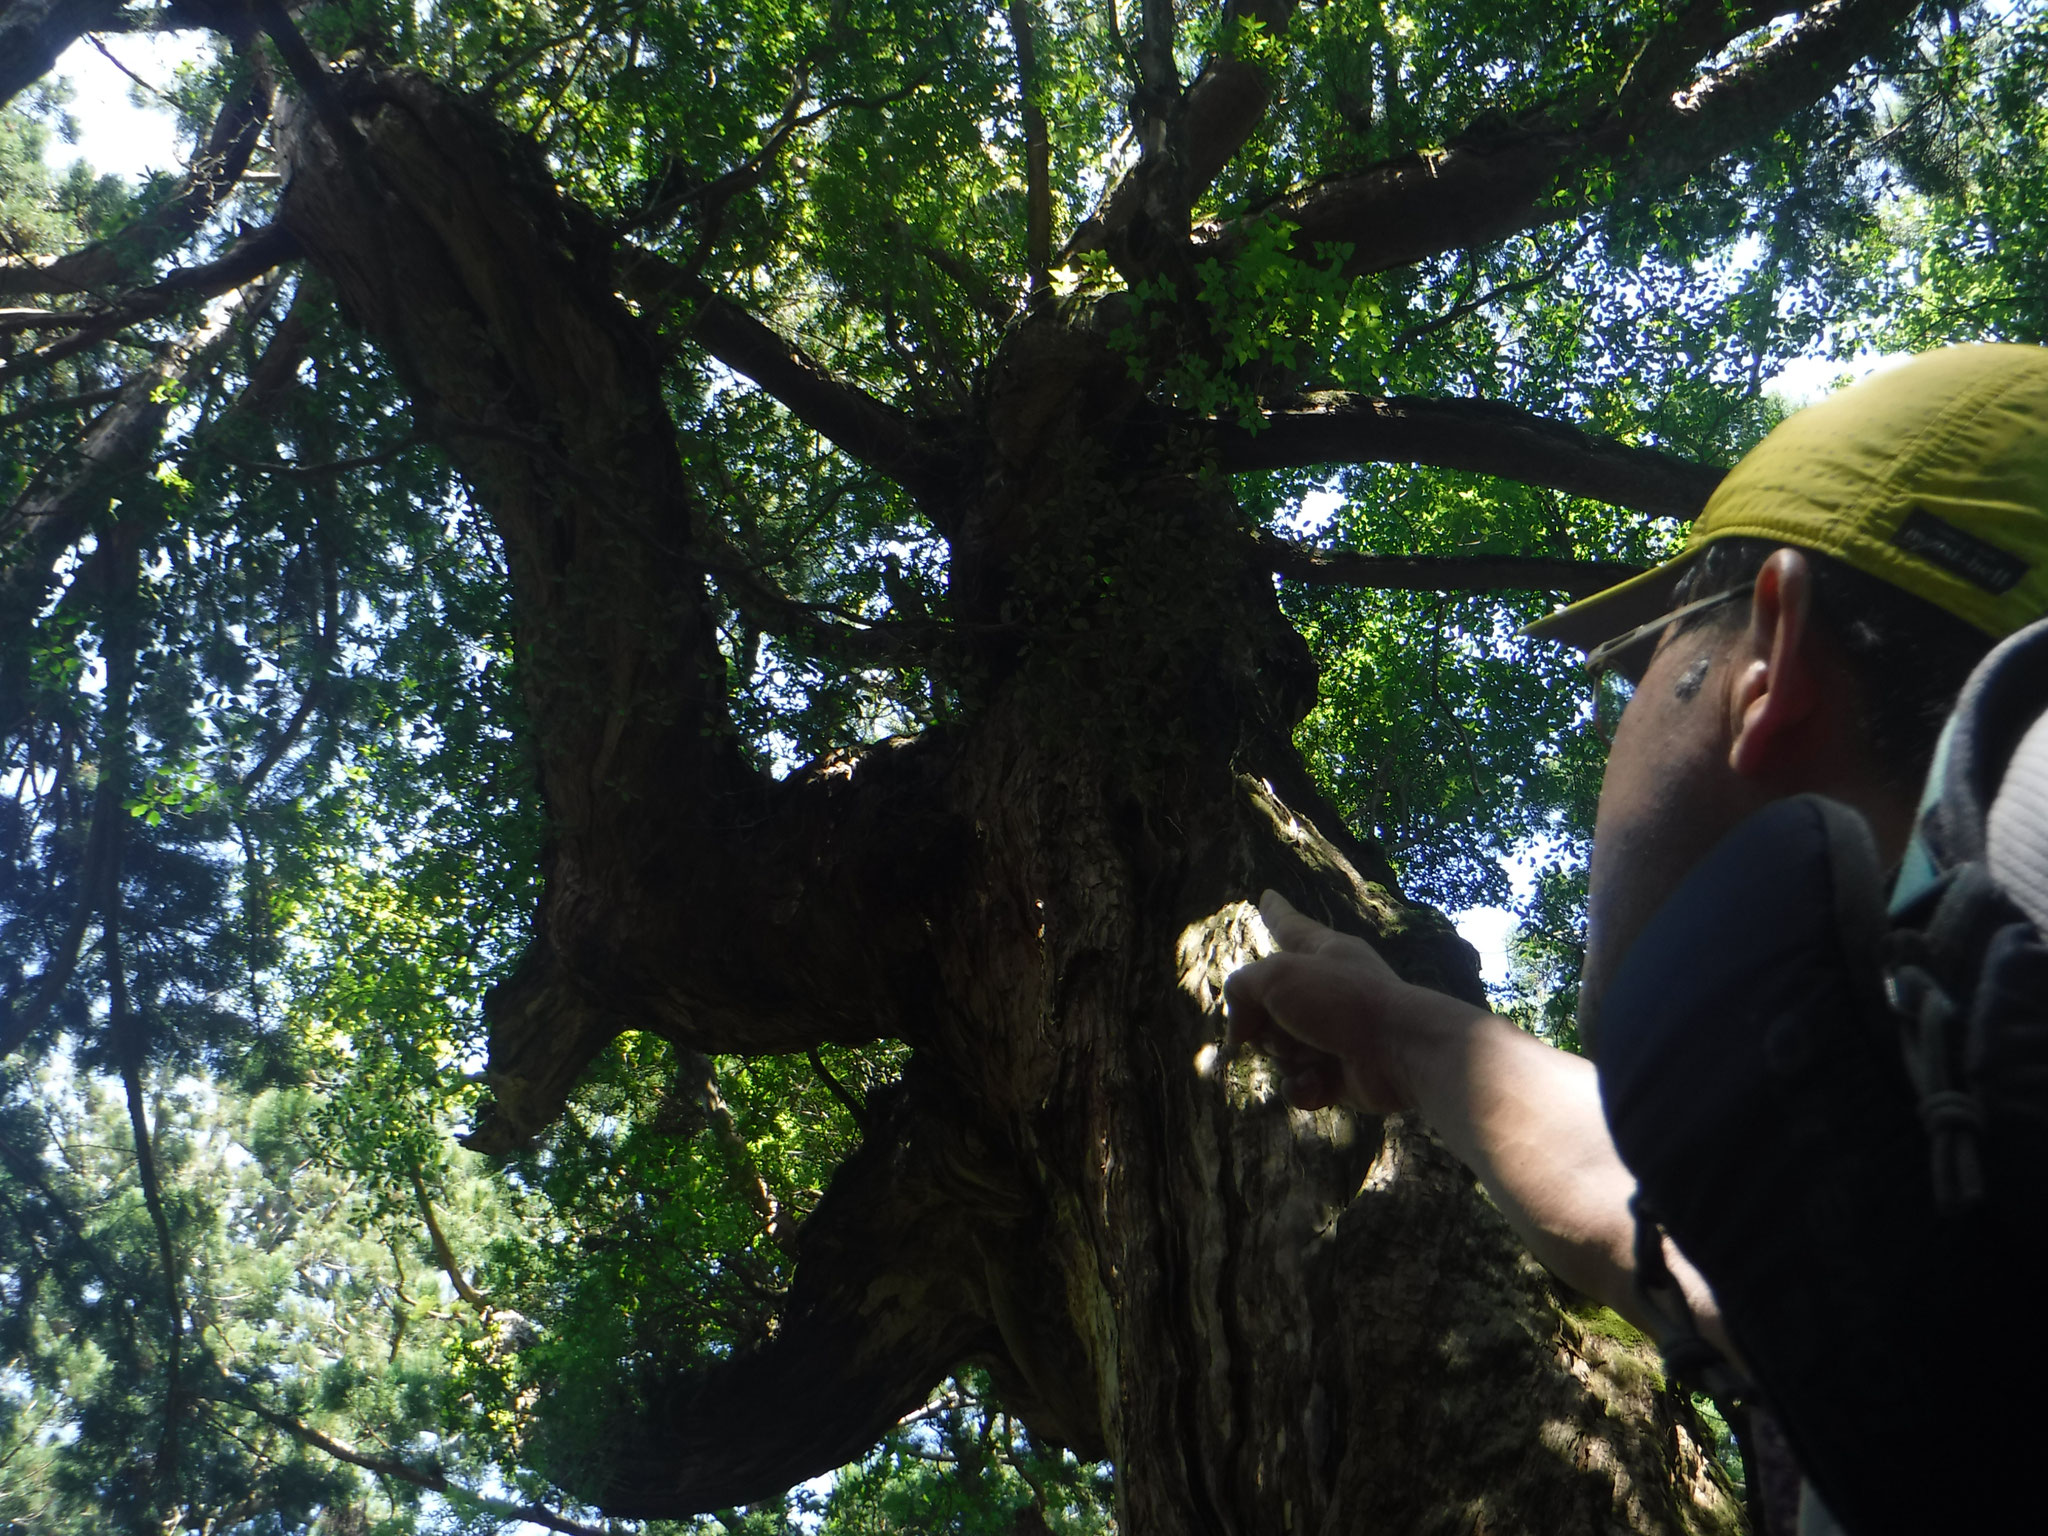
839,1091
995,304
1440,573
864,428
129,254
313,79
34,32
1486,437
57,405
1186,137
889,1296
247,259
1037,151
1565,161
503,320
1670,54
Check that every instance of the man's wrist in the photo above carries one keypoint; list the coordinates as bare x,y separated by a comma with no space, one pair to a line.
1429,1058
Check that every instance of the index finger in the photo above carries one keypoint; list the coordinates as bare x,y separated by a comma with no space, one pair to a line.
1291,929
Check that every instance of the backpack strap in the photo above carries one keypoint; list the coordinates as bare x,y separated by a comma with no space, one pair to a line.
2016,829
1971,896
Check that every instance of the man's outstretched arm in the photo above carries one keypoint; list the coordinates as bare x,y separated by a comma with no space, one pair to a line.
1523,1116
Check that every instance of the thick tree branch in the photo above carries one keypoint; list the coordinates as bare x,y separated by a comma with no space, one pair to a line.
129,254
1563,161
890,1295
866,429
1037,151
315,83
1185,137
57,405
497,304
1439,573
34,32
840,1091
1482,436
995,304
247,259
1670,54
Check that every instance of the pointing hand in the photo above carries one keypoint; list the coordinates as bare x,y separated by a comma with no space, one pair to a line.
1328,1010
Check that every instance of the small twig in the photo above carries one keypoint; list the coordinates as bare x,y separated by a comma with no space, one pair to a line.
107,54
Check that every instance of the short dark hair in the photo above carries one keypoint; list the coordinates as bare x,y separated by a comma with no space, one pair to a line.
1909,658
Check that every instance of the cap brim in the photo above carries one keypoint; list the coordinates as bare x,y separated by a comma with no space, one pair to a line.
1625,606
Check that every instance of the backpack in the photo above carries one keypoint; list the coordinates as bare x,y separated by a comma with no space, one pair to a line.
1837,1107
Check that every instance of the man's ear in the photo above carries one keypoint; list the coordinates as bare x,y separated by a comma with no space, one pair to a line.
1775,687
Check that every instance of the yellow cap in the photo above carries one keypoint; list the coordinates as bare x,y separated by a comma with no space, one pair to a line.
1932,476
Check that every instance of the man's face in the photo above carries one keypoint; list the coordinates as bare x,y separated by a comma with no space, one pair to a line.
1668,797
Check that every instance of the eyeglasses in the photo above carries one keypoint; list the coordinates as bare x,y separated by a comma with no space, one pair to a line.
1623,659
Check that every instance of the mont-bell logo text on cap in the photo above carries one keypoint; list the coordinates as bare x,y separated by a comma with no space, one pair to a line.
1940,542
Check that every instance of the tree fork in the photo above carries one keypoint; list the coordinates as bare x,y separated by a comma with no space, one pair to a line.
1139,1237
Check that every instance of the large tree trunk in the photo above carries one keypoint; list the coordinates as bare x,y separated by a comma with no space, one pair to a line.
1270,1320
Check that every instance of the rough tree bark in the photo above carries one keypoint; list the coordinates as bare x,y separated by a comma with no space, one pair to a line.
1270,1320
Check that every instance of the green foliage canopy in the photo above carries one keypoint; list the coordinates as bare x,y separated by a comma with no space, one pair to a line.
269,831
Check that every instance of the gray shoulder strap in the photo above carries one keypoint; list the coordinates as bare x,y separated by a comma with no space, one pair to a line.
2016,831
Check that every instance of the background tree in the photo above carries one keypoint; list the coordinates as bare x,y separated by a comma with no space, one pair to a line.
746,536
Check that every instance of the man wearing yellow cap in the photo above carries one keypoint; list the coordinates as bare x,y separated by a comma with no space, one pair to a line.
1841,585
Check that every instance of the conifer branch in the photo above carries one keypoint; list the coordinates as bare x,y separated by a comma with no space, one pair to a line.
432,1479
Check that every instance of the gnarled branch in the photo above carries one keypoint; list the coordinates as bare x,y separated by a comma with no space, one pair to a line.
444,1251
866,429
1406,210
1185,137
1483,436
892,1292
